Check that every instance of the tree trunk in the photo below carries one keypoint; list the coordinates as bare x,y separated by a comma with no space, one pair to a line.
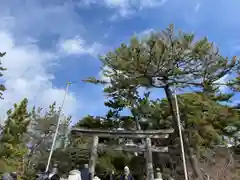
192,157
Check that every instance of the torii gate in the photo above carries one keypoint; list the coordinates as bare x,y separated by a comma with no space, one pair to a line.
147,148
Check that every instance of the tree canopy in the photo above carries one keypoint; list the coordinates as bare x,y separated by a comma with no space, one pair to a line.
167,60
171,60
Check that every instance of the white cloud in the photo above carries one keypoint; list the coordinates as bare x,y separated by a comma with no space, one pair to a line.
125,8
152,3
73,46
27,76
117,3
29,66
77,46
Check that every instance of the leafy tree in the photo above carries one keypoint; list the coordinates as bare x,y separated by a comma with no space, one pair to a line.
13,136
95,123
41,131
2,87
167,60
205,122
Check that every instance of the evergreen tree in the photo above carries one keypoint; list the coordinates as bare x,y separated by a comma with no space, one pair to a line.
205,121
41,132
13,144
167,60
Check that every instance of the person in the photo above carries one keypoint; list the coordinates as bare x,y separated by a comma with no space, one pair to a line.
158,174
127,175
7,176
96,178
55,177
14,175
42,175
75,175
10,176
112,175
85,175
54,172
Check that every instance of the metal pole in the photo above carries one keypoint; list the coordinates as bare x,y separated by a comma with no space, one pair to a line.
58,124
180,135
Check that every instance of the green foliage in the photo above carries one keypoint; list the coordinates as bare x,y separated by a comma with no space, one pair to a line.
95,123
13,136
162,60
2,87
165,60
41,132
205,120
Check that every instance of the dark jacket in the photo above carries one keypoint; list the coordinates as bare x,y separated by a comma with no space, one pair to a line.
85,175
130,177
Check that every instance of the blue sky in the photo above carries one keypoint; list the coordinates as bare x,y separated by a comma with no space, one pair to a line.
50,42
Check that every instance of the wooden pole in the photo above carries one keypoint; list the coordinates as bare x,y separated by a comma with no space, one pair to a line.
93,157
150,173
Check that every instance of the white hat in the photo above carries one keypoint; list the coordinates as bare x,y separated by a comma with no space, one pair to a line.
96,178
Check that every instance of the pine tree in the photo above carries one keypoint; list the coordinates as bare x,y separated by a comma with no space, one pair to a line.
205,120
167,60
13,144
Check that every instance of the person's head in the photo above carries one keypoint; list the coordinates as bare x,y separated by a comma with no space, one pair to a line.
126,171
85,166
